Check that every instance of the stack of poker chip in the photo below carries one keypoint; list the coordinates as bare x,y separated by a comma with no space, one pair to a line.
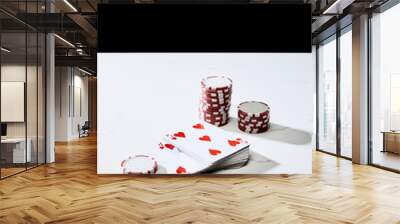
253,117
215,100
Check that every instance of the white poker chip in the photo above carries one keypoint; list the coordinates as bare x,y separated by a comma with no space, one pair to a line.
139,164
254,108
217,83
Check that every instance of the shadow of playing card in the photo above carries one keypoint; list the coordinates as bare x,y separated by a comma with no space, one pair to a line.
257,164
276,133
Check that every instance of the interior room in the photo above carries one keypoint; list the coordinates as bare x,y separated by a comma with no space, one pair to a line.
385,89
22,103
103,104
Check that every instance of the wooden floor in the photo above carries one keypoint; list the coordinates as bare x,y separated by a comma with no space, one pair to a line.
69,191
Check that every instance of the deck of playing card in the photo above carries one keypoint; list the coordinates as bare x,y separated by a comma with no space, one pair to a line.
203,147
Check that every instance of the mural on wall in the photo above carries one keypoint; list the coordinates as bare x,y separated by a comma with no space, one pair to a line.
225,122
219,95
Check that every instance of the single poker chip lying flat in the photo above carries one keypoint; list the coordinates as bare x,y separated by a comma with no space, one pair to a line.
218,123
213,118
215,83
253,109
213,113
253,121
216,95
214,107
222,90
253,130
243,116
211,100
139,164
258,125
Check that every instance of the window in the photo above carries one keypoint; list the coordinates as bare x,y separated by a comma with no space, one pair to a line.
327,96
22,77
335,94
385,89
346,74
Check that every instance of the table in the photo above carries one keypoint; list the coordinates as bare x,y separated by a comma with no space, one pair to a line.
391,141
13,150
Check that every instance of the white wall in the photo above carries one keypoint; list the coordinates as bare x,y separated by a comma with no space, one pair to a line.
69,81
141,97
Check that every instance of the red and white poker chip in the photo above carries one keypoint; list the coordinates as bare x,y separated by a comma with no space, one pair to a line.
253,109
217,105
253,117
219,101
223,92
255,130
216,83
214,119
217,123
139,164
212,108
215,100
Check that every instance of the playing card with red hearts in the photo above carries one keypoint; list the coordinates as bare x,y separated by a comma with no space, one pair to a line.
173,161
206,143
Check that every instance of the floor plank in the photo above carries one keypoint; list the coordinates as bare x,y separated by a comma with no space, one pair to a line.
70,191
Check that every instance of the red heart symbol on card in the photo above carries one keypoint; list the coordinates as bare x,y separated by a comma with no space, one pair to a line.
180,134
205,138
233,142
180,170
170,146
198,126
214,152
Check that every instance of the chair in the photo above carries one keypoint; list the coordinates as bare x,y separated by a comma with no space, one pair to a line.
84,130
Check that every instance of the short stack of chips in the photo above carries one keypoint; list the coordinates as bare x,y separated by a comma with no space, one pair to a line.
215,100
253,117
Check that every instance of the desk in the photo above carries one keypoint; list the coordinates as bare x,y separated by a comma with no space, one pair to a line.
391,141
13,150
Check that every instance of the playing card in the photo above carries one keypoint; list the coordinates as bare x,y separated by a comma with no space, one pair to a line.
172,161
206,143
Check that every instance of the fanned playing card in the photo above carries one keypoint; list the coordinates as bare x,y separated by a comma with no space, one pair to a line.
173,161
206,143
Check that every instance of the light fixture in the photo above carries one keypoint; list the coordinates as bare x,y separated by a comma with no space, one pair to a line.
65,41
84,71
337,7
70,5
5,50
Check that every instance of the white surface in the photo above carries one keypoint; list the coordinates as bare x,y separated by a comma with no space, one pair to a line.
12,101
142,97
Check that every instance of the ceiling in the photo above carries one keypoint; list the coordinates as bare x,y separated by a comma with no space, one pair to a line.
75,22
